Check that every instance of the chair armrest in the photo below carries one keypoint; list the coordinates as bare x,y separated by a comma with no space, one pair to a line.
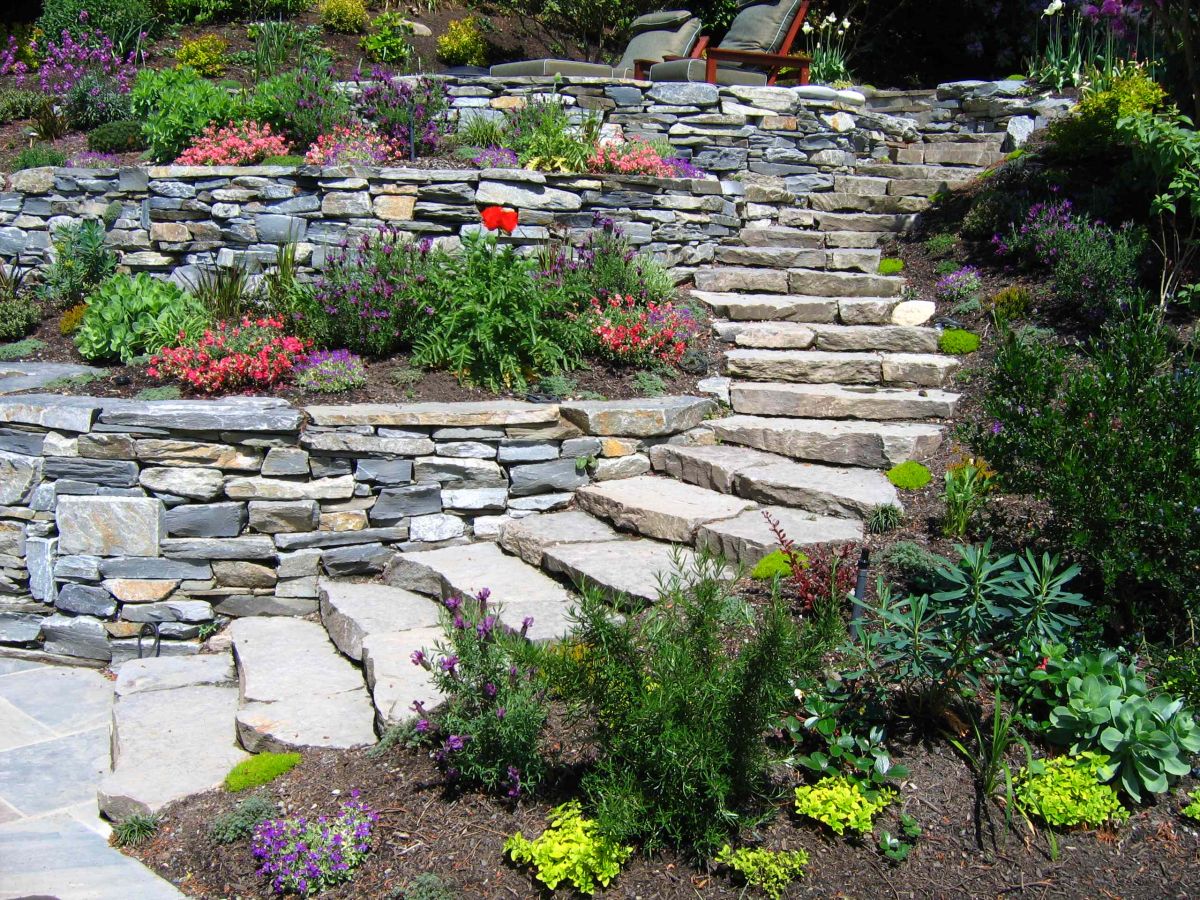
701,46
641,68
754,58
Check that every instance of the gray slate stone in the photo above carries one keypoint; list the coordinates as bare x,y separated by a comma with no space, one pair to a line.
384,471
361,559
82,636
394,681
650,417
350,611
213,520
248,547
397,504
529,538
83,600
150,568
322,539
284,516
19,475
254,414
547,477
110,526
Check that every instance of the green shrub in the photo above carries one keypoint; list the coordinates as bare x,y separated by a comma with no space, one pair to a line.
1192,810
37,156
770,871
945,267
463,44
117,137
283,161
890,265
909,476
914,562
17,103
1179,674
81,262
388,42
260,769
571,849
884,518
680,700
175,105
21,349
206,54
992,212
239,823
941,245
958,341
1010,303
775,564
95,100
1091,130
122,20
1069,791
19,315
839,803
344,16
130,316
301,103
649,384
134,830
199,11
1110,451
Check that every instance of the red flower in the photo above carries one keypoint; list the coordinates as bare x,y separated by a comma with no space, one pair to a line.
499,217
1042,664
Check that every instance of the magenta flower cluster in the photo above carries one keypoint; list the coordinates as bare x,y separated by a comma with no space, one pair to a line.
305,856
1037,237
412,111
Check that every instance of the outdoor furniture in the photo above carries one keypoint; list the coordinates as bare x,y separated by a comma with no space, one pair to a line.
755,51
654,37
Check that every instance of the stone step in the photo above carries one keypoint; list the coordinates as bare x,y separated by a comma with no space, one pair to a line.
296,689
519,588
819,283
741,278
748,537
769,307
874,445
895,223
173,732
394,680
832,401
658,507
776,480
531,537
823,336
832,201
841,367
780,236
352,610
771,257
631,573
851,240
954,176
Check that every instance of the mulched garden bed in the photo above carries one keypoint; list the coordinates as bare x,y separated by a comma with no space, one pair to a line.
459,836
390,380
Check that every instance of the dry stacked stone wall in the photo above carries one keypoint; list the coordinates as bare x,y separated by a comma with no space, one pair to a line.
117,513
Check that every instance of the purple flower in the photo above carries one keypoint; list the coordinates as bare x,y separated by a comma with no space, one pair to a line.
997,427
453,603
418,658
449,663
501,712
526,624
489,690
422,726
455,742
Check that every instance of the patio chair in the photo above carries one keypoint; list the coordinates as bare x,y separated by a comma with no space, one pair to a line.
756,50
673,33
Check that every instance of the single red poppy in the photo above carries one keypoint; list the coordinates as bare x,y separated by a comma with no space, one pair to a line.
498,217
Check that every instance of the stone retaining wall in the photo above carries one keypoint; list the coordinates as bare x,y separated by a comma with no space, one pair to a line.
116,513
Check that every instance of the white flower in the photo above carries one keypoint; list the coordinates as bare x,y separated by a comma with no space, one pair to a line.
799,695
832,17
845,24
841,31
1055,7
807,28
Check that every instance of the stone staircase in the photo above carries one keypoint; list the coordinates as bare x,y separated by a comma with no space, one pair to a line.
830,376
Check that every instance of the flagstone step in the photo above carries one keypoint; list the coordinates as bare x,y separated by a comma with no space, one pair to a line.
824,336
820,283
530,538
877,445
952,176
781,236
755,307
173,732
296,689
658,507
748,537
834,401
895,223
520,589
631,573
834,201
924,370
777,480
352,610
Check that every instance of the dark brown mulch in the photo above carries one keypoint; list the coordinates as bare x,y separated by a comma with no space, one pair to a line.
460,837
388,380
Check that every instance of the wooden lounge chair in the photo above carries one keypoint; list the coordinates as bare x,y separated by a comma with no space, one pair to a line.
670,34
756,50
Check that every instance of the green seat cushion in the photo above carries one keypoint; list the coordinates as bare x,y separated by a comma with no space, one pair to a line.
658,43
564,67
761,27
657,21
694,69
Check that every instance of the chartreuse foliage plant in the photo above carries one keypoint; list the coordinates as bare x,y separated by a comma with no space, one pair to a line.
891,266
463,44
259,770
958,341
129,316
842,804
775,564
571,849
1192,810
909,476
1069,791
770,871
206,54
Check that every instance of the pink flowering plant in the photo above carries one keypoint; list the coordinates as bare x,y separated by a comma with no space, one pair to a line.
234,144
356,144
305,856
489,729
640,157
255,354
629,332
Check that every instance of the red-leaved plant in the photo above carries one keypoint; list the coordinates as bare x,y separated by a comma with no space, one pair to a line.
823,573
255,354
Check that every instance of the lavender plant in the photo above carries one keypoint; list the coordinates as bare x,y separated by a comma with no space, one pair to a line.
331,372
306,856
959,286
496,158
491,723
412,111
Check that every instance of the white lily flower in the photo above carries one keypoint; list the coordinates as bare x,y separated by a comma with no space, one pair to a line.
1055,7
845,23
807,28
832,17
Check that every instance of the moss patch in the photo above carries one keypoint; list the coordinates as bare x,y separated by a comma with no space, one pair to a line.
909,476
259,770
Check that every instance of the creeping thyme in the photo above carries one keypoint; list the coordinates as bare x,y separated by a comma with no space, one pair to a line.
306,856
